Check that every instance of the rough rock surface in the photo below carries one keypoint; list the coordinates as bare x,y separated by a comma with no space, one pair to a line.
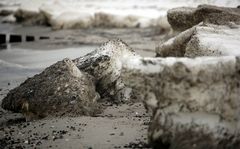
63,15
108,20
105,64
203,40
195,102
59,90
186,17
71,20
29,17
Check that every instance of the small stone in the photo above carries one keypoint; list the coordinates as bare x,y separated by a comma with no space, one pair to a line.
112,134
26,141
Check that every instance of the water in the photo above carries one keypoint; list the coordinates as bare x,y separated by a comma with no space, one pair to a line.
18,64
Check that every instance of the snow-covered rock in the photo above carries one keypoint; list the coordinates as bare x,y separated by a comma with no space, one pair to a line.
195,102
60,90
30,17
59,16
6,12
186,17
71,20
105,64
109,20
119,13
203,40
9,19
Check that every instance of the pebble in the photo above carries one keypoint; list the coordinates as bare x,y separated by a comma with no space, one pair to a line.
26,142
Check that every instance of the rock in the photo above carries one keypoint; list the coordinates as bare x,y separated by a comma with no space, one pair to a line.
62,15
102,19
30,17
203,40
71,20
6,12
186,17
195,102
59,90
9,19
105,64
181,18
175,46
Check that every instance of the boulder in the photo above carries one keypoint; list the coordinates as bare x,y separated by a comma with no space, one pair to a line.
6,12
195,102
30,17
203,40
105,64
71,20
183,18
60,90
9,19
102,19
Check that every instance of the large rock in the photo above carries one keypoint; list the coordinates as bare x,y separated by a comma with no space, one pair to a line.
30,17
203,40
102,19
183,18
105,64
71,20
60,90
195,102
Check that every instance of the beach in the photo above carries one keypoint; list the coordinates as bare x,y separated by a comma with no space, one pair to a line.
72,29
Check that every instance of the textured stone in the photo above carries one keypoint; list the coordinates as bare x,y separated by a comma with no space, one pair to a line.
195,102
59,90
183,18
30,17
105,64
203,40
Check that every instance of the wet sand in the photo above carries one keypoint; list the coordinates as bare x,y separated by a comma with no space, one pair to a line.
119,126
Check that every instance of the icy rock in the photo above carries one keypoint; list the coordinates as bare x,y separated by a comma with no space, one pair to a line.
61,89
9,19
71,20
6,12
195,102
30,17
110,20
183,18
105,64
203,40
64,15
